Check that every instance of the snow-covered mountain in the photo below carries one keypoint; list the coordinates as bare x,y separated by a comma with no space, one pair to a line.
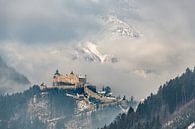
112,29
89,52
117,28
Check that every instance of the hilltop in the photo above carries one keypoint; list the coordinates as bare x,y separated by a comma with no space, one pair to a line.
78,87
70,102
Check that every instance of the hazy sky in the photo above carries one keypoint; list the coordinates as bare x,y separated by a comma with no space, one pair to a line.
37,37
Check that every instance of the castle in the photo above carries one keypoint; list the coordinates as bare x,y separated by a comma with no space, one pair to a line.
78,87
69,79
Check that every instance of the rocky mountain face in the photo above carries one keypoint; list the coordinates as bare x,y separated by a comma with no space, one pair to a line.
89,52
116,28
9,77
113,29
173,107
52,109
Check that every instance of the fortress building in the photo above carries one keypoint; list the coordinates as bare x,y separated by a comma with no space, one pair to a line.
76,86
68,79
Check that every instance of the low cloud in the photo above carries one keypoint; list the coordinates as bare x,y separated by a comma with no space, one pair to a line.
37,38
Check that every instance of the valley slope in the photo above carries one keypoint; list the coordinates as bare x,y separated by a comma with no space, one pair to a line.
173,107
51,109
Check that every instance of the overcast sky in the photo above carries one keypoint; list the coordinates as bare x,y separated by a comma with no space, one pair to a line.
37,37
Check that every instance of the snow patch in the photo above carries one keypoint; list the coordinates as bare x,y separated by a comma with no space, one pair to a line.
191,126
116,28
89,52
38,109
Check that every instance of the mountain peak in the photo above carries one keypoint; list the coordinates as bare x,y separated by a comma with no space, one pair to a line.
118,28
88,51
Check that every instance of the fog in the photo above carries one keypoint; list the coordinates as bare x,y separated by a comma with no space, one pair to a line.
37,37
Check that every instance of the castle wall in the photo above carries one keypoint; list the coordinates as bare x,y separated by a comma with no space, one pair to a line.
68,79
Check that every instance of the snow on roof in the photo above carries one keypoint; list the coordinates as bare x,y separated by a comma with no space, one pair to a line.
101,92
82,76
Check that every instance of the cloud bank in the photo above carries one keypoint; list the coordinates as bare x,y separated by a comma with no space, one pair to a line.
38,36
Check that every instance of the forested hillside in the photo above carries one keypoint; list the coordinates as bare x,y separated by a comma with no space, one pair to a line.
173,107
30,109
51,109
14,107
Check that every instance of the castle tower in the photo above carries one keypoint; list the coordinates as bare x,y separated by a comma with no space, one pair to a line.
72,73
55,78
57,72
